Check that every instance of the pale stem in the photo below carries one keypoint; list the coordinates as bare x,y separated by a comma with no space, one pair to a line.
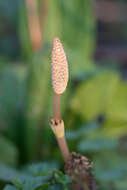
56,106
34,25
64,148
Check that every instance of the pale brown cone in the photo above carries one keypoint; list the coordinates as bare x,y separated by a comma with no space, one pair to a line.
59,67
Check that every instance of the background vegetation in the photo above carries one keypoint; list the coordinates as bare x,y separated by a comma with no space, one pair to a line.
94,106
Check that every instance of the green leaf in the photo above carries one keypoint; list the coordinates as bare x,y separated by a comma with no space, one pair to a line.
110,175
12,89
61,178
117,105
120,184
36,101
91,97
33,183
18,183
56,187
8,151
43,187
9,174
83,130
113,129
10,187
24,31
81,49
110,166
97,144
41,169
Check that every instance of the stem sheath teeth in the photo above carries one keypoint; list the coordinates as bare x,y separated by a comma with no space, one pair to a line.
57,126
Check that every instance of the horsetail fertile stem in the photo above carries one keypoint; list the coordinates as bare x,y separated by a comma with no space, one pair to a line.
59,74
59,83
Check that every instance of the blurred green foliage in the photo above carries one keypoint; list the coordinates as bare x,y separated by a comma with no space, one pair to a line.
36,177
94,106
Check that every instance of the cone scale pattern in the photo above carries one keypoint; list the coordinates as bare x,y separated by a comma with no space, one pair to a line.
59,67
